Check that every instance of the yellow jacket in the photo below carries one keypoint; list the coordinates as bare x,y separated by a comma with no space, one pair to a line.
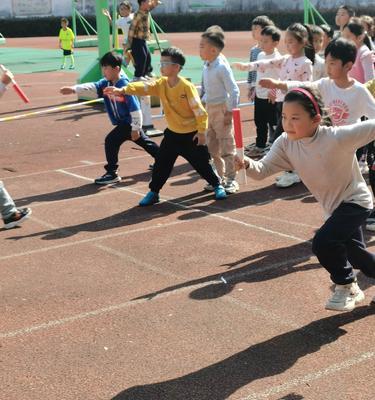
182,106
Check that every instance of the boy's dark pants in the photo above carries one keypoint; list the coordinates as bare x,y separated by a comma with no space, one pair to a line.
117,137
177,144
142,58
339,244
264,115
279,124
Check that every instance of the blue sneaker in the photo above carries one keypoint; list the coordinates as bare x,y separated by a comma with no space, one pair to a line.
150,199
220,193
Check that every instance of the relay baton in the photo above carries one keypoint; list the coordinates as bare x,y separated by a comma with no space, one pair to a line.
16,87
239,143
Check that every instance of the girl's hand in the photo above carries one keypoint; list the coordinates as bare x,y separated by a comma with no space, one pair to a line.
251,93
7,76
241,164
67,90
240,66
268,83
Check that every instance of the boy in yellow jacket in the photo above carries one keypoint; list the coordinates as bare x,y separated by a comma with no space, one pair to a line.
186,121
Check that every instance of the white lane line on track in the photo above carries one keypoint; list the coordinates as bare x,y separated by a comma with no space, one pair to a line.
218,216
303,380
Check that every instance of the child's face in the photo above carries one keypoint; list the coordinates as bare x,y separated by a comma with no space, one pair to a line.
336,69
318,42
342,17
256,32
207,52
124,11
297,122
64,24
111,73
267,44
168,67
293,46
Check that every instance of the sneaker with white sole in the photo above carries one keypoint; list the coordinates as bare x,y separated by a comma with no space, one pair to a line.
231,186
250,146
17,218
288,179
107,179
209,188
345,297
257,151
370,225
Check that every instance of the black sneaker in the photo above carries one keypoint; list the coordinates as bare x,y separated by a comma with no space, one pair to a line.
107,178
17,218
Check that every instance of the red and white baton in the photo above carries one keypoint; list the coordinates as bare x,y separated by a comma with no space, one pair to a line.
16,87
242,179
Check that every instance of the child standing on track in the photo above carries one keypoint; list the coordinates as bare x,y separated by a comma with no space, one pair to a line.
221,95
186,120
123,22
297,65
324,157
265,115
11,215
66,43
124,113
139,33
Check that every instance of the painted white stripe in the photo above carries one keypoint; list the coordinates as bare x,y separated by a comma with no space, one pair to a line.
83,241
86,162
332,369
48,171
218,216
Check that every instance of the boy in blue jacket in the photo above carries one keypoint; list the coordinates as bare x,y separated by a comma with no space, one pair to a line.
125,113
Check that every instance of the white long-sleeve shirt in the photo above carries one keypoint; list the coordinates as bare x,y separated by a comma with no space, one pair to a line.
290,69
326,163
346,106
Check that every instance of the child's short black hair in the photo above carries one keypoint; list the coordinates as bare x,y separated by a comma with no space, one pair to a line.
176,55
342,49
273,32
215,37
111,59
348,9
141,1
262,20
65,20
327,30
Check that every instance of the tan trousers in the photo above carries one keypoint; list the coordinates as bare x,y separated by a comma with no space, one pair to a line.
220,140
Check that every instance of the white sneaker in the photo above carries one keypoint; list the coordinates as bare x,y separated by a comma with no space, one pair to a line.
288,179
209,188
232,186
250,146
345,297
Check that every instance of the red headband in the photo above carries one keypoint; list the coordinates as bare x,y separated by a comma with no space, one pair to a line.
310,96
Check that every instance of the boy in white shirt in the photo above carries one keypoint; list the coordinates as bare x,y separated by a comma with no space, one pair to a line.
318,66
265,114
347,99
